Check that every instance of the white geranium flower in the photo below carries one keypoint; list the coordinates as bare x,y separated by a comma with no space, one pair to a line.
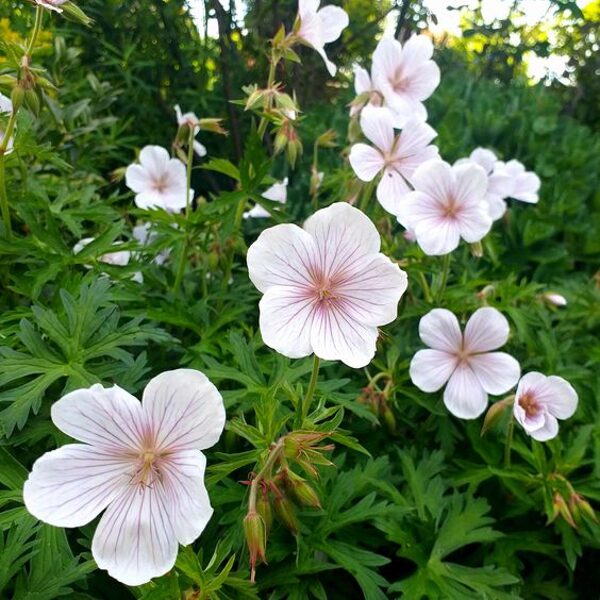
6,108
396,157
118,258
448,204
554,298
140,463
540,401
466,363
51,4
525,184
276,193
193,122
144,235
405,75
321,26
326,286
158,181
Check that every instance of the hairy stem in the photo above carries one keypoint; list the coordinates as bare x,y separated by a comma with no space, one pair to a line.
310,392
262,127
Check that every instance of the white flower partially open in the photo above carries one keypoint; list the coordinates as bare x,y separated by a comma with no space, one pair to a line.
158,181
448,204
141,462
326,287
6,108
321,26
276,193
525,184
405,75
396,157
466,363
118,258
540,401
190,120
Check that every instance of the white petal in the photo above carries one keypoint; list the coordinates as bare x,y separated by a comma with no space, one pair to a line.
331,68
417,49
340,232
135,539
386,59
333,21
548,431
336,335
437,236
69,487
439,329
377,125
199,148
277,192
471,183
184,410
366,161
137,179
464,397
370,288
422,80
154,159
362,80
526,188
150,199
556,394
431,369
436,179
257,212
485,158
307,7
282,256
495,205
286,316
497,372
184,483
108,418
415,137
474,222
391,189
486,330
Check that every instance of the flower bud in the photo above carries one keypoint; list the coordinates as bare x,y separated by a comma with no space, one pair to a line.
17,97
388,417
301,490
555,299
263,508
32,101
212,125
74,13
327,139
477,249
560,507
494,414
284,509
254,530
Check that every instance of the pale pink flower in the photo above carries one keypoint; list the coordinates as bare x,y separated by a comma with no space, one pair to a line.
326,287
118,258
540,401
464,362
158,181
405,75
141,462
320,26
499,185
190,120
396,157
51,4
554,298
6,109
276,193
447,205
525,184
144,235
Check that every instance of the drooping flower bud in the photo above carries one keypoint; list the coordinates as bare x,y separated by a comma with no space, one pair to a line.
263,508
256,539
495,412
300,489
284,509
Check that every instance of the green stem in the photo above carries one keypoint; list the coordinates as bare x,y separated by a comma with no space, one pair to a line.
509,438
4,206
188,206
37,27
425,288
262,127
366,195
310,392
445,273
274,455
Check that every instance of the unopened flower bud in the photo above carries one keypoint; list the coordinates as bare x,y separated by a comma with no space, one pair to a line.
32,101
17,97
254,530
327,139
284,509
263,508
73,12
486,292
555,299
477,249
561,508
388,417
580,508
301,490
212,125
494,414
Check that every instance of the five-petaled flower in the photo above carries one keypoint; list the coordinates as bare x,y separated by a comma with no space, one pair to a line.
141,462
158,181
326,287
405,75
525,184
466,362
448,204
396,157
318,27
540,401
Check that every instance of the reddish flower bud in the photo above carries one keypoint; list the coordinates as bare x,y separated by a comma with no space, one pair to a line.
254,530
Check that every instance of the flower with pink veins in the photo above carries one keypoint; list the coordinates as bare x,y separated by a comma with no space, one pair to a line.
540,401
326,286
448,204
396,157
318,27
51,4
525,184
466,362
140,463
405,75
158,181
499,184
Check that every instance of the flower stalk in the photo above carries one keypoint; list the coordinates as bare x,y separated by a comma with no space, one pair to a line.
310,392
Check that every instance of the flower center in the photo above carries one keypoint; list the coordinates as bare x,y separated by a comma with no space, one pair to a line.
148,468
160,184
399,82
451,208
529,404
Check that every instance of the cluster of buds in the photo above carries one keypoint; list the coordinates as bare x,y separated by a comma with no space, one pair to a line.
277,491
567,504
27,89
377,400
